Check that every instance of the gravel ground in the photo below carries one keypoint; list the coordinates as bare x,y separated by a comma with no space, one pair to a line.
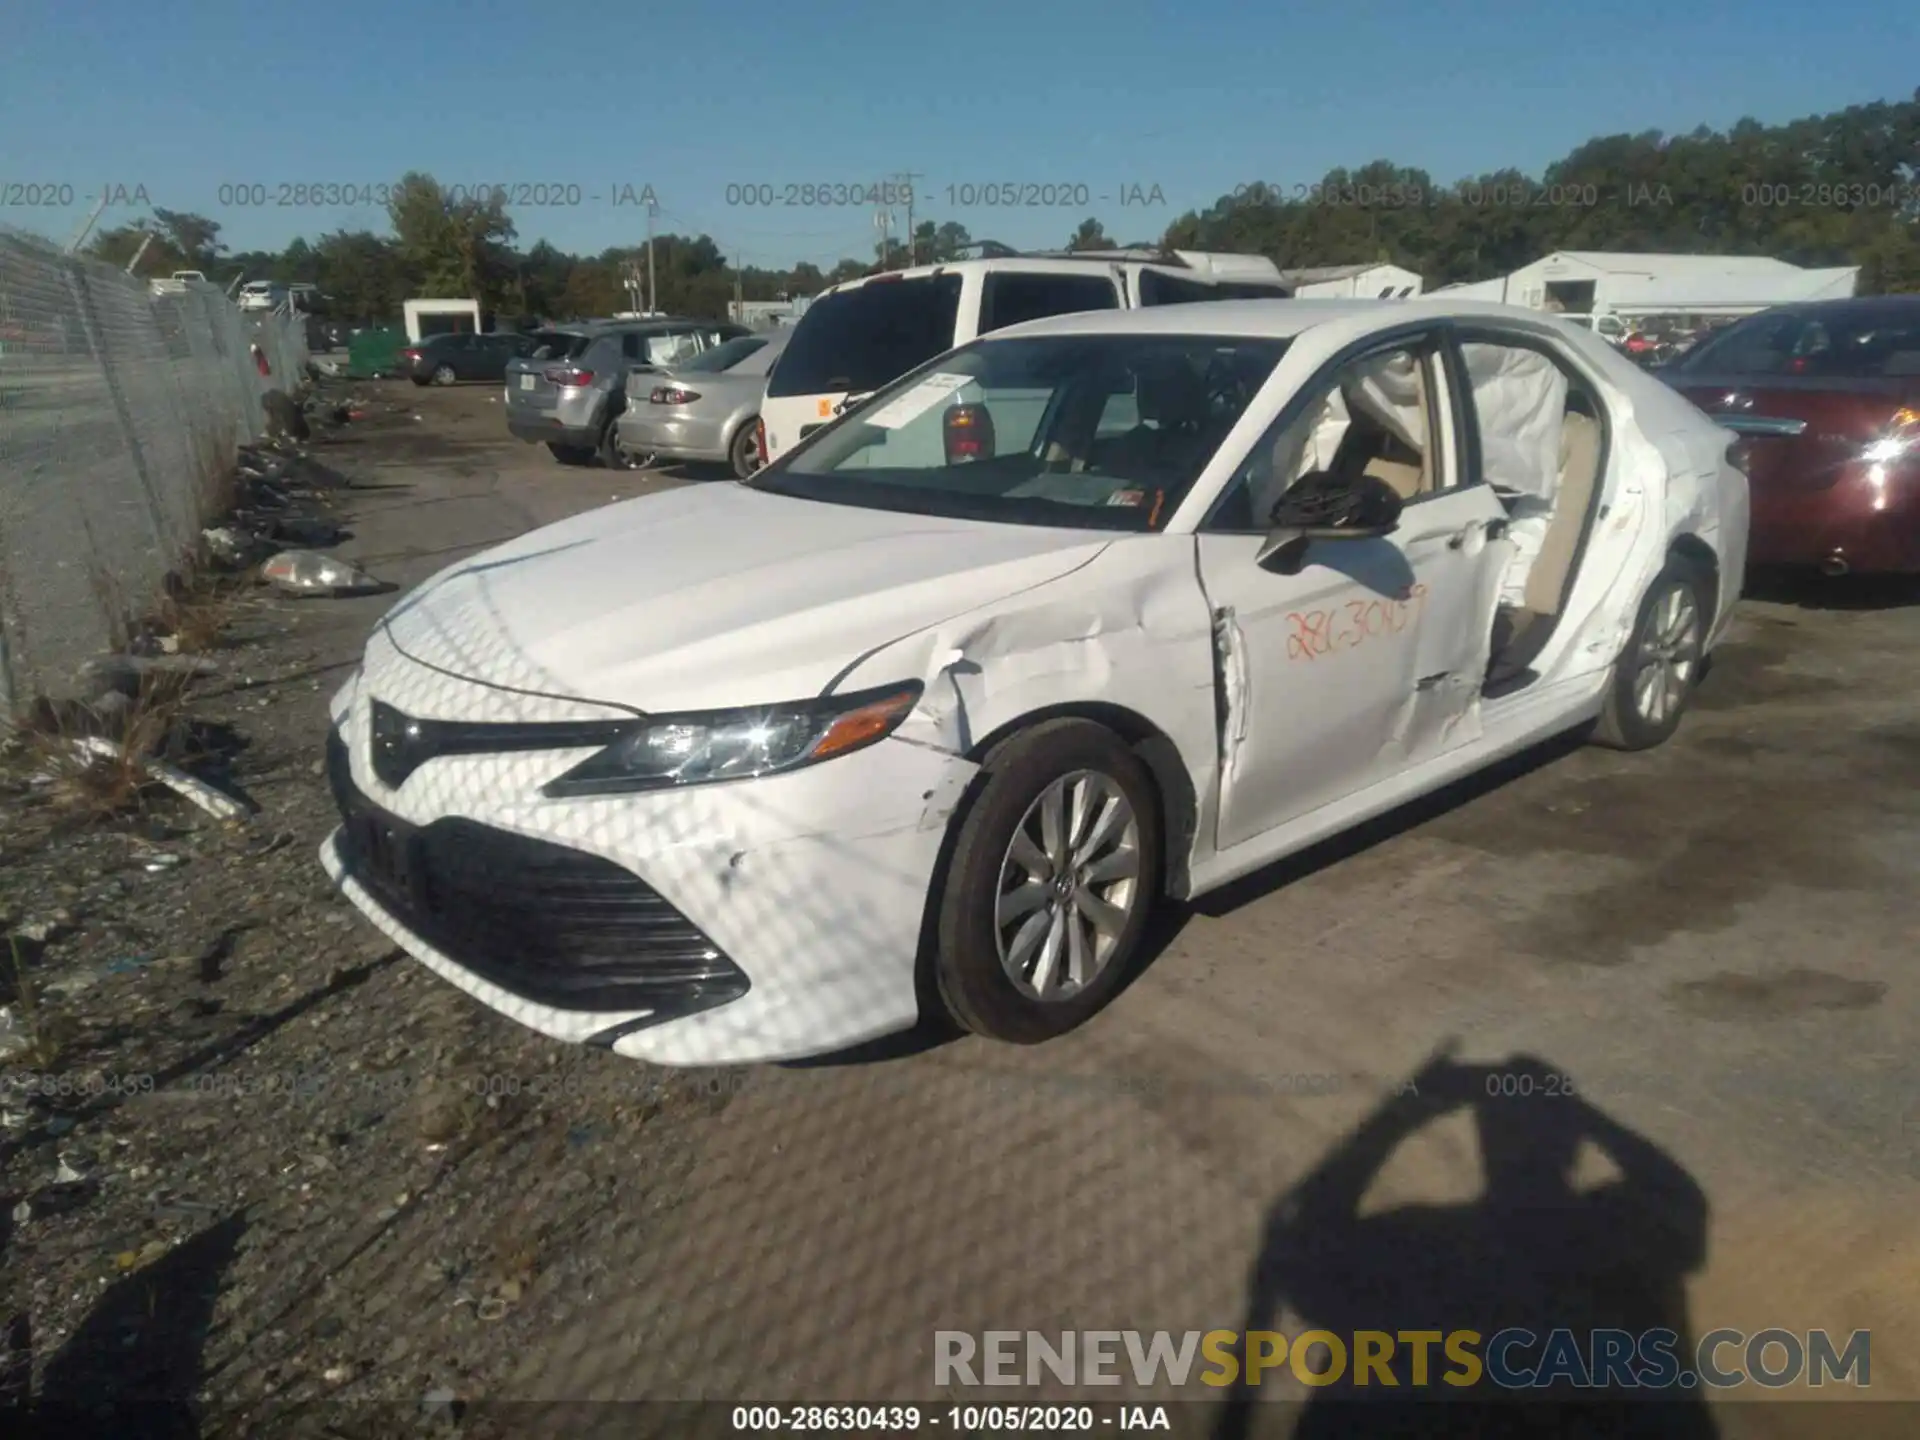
259,1142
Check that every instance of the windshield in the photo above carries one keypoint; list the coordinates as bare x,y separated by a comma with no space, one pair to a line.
1855,343
1087,431
723,357
857,340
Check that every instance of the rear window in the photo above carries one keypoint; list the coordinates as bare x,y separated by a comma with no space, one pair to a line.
859,339
1855,344
559,345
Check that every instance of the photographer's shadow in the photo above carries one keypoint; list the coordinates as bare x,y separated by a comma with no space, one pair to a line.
1532,1253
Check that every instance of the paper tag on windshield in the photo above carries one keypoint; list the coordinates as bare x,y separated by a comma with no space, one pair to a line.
912,404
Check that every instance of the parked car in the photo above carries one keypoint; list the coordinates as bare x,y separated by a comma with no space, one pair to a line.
1828,395
979,673
262,295
856,337
569,392
705,409
448,359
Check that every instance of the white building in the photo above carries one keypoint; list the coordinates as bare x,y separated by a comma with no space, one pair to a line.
1352,282
1597,283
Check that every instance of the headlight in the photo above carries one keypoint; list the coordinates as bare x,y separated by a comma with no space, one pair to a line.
693,749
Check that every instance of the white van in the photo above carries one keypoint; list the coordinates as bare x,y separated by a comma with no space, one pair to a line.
855,337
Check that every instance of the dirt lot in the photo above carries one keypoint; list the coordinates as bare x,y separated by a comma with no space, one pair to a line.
282,1165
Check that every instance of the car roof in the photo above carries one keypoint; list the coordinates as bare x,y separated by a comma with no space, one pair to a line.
1271,319
1854,305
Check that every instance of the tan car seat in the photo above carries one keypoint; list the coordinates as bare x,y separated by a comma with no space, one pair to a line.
1546,586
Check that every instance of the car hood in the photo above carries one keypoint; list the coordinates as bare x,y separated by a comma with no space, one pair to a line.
715,595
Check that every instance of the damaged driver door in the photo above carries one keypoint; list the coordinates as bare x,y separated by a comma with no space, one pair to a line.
1343,661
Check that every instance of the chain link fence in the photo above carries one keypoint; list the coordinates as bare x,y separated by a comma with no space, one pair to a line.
120,413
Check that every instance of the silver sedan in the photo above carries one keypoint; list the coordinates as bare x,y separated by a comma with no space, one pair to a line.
704,409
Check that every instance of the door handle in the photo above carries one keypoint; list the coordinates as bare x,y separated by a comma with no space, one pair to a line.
1493,530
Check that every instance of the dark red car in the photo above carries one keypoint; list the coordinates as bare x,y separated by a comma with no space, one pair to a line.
1828,395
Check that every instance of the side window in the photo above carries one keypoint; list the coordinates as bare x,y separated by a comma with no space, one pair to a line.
665,349
631,347
1014,296
1159,288
1376,415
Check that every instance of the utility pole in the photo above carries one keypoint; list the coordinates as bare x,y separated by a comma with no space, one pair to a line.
913,240
653,209
86,227
134,263
739,293
886,246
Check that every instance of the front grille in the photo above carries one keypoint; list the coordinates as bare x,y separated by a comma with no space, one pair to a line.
547,922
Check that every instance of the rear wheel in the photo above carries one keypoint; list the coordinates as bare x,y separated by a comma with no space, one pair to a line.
1655,676
744,452
443,375
1052,882
570,454
615,456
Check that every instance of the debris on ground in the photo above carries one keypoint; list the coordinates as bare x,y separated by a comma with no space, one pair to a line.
307,572
190,787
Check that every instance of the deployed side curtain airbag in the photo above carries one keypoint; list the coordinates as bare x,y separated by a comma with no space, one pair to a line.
1387,388
1520,397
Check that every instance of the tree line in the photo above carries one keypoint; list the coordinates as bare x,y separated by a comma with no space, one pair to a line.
1836,189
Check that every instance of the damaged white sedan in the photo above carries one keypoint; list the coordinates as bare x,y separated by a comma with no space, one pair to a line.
1090,612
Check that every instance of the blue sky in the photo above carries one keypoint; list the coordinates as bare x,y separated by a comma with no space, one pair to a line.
1097,99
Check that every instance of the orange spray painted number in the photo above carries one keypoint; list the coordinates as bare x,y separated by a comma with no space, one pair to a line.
1312,634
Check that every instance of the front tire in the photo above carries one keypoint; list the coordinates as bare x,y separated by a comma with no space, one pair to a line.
1051,885
1655,676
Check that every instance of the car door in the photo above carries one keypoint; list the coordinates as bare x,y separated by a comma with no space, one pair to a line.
464,354
1337,676
490,354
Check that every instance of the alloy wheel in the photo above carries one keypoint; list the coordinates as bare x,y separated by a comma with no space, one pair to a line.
1069,883
1668,657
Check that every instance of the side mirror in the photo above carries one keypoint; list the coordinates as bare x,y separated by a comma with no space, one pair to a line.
1321,506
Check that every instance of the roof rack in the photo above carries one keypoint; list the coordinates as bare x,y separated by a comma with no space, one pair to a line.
994,250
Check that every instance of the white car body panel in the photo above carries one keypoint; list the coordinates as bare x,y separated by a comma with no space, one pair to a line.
816,882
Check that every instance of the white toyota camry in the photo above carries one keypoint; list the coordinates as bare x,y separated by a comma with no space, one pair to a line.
1087,613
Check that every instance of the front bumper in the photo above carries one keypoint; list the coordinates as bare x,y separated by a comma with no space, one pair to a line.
677,439
809,891
1868,518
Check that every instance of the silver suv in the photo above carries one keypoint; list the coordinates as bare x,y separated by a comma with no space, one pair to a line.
569,392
